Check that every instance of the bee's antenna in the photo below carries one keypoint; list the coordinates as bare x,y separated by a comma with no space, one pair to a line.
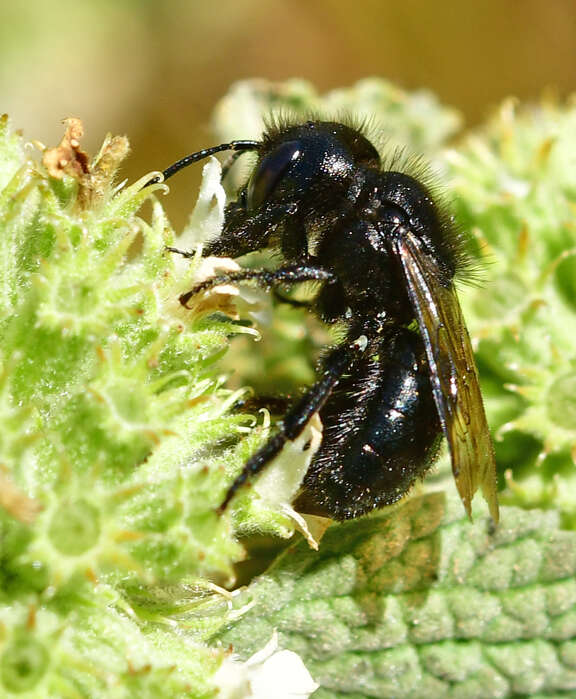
201,154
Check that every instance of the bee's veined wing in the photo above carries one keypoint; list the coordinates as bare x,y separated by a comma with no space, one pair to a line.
453,373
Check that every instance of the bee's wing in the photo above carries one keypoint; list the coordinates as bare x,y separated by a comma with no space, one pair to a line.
453,374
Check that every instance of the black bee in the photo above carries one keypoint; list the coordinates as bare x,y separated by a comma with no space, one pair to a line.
385,257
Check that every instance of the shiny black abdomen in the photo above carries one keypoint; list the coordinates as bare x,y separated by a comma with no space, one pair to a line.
381,430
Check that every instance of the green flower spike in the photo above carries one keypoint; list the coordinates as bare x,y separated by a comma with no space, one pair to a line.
516,189
110,402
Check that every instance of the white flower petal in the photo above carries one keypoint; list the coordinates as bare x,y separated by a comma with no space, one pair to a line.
268,674
279,483
207,219
282,676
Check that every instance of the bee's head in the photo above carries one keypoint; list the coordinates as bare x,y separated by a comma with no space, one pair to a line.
298,163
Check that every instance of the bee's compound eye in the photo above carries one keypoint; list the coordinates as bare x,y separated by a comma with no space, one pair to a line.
270,171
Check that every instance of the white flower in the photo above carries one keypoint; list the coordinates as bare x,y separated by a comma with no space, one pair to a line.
280,482
207,219
268,674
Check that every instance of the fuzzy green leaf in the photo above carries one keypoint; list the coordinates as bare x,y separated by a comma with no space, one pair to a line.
420,602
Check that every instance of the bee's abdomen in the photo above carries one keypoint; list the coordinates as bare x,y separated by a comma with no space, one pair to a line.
381,431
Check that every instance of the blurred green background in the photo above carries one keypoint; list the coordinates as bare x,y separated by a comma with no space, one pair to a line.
154,70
